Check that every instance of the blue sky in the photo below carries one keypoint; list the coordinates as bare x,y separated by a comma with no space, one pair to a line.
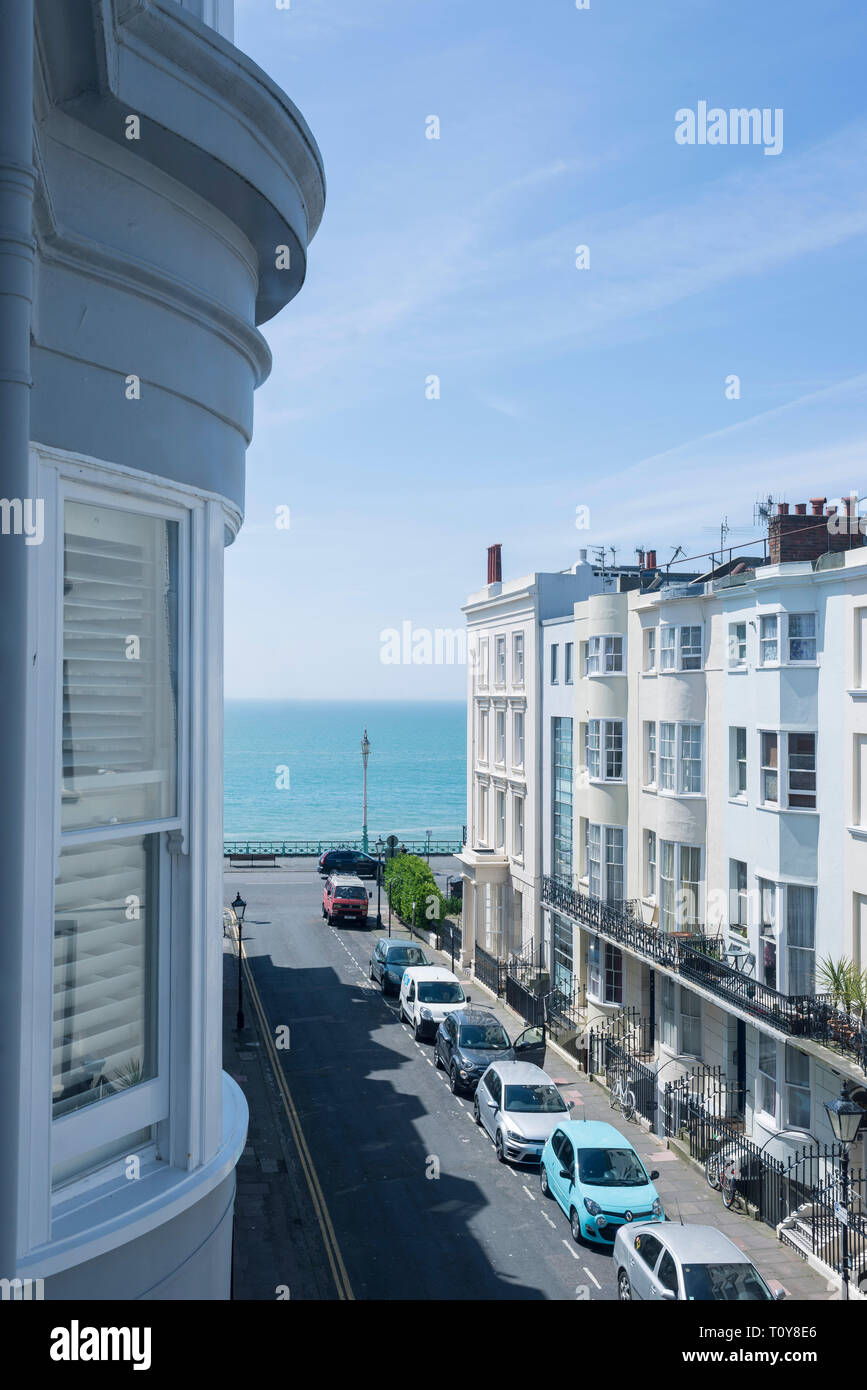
560,387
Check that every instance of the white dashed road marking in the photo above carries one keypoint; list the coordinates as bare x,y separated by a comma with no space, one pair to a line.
550,1222
572,1252
591,1275
529,1193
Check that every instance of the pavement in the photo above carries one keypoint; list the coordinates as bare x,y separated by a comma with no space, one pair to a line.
363,1176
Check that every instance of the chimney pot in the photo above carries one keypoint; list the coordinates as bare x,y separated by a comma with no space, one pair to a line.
651,559
782,509
495,564
817,504
800,509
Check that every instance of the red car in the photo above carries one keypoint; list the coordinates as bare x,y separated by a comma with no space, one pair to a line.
344,898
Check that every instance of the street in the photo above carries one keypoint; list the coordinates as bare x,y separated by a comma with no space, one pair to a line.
414,1204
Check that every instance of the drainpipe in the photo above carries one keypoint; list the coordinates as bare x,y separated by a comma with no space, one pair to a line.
17,180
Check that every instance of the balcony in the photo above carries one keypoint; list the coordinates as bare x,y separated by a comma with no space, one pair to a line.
699,961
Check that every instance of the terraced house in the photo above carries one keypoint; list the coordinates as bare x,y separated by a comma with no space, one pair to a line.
157,196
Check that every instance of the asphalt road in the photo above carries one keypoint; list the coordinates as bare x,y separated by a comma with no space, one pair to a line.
419,1205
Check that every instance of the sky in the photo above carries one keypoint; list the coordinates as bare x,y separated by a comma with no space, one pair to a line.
607,387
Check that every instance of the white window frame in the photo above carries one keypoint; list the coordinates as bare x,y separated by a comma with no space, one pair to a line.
739,897
483,663
605,655
482,815
677,904
736,762
482,749
650,863
673,652
769,639
499,818
737,646
650,752
596,749
555,657
568,663
518,738
782,638
671,760
785,771
797,1089
518,827
602,969
500,737
190,887
601,834
500,657
767,1055
518,659
650,649
690,1031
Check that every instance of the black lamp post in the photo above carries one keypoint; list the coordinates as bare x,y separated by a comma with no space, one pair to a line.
380,846
844,1116
239,907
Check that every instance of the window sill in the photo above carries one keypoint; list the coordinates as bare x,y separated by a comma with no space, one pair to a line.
858,832
601,675
738,801
788,810
738,670
606,781
602,1003
97,1221
858,694
683,796
649,673
684,671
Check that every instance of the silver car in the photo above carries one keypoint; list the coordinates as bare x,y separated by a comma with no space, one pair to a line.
519,1105
678,1263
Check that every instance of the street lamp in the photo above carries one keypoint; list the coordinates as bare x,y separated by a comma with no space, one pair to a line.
427,836
239,907
380,846
365,754
844,1116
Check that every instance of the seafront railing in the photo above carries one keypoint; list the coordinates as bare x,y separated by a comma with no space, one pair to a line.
289,849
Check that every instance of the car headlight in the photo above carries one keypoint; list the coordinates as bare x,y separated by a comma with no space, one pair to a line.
463,1073
425,1013
657,1208
593,1207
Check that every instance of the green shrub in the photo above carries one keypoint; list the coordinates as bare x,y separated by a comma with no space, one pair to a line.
408,881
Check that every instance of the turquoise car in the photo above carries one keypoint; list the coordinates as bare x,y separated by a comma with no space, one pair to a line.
598,1179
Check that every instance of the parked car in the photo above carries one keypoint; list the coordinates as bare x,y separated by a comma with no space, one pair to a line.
519,1105
595,1175
348,861
685,1263
469,1040
344,898
427,994
389,959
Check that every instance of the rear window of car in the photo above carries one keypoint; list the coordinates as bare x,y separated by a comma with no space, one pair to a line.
734,1283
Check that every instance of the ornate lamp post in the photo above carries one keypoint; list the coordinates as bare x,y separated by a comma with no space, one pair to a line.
844,1116
379,847
365,754
239,907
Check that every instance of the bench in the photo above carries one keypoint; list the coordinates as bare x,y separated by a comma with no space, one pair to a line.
252,861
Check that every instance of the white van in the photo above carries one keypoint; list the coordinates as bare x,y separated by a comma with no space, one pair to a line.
428,993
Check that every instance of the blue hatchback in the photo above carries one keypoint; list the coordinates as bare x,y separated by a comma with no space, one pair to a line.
598,1179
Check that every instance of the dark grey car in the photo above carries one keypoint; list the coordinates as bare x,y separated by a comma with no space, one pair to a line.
469,1040
389,959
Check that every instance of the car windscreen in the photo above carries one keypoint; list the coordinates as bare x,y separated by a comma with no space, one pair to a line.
407,955
349,891
489,1037
735,1283
611,1168
533,1100
440,992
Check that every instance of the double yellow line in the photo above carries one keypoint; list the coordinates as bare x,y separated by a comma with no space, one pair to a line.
317,1197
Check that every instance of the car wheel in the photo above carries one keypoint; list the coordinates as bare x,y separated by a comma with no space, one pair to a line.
417,1031
454,1084
370,972
400,1013
624,1288
543,1181
500,1148
438,1061
477,1114
575,1226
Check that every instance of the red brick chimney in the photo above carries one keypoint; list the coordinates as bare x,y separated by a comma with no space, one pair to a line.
650,559
803,537
495,564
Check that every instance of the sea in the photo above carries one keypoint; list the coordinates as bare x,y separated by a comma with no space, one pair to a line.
293,769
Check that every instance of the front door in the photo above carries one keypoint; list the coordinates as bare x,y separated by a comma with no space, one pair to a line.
529,1046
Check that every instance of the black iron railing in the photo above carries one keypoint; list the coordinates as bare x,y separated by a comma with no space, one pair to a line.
699,961
450,937
490,971
525,1001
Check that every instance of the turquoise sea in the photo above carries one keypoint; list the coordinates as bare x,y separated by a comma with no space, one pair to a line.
416,773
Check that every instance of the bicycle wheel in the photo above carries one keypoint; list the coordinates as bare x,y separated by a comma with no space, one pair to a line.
711,1170
728,1187
627,1105
614,1093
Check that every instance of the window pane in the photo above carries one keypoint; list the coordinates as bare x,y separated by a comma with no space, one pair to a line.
120,640
801,938
690,648
666,756
802,637
802,770
768,638
690,763
613,749
105,963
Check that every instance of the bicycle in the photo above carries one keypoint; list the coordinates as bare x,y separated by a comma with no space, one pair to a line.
719,1170
620,1094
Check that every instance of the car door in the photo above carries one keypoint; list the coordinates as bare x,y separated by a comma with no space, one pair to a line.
643,1258
529,1046
663,1280
490,1109
447,1038
561,1175
379,957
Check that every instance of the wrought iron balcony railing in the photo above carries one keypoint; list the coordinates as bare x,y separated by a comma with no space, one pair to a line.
699,960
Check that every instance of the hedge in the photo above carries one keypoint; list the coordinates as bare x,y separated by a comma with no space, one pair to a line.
408,881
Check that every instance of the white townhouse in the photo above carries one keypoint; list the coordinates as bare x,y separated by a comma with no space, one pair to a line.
721,737
506,645
157,196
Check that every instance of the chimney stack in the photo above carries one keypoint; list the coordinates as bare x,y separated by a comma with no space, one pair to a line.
801,537
651,559
495,564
